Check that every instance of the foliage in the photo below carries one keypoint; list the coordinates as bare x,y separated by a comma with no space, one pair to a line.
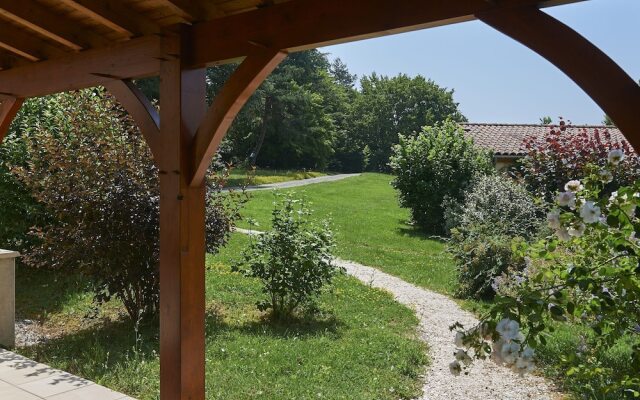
370,228
293,260
388,106
586,274
495,212
290,121
92,172
497,204
438,164
360,344
564,153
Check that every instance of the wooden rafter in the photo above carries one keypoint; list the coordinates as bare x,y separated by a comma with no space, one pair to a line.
141,110
233,95
9,107
598,75
133,58
193,10
25,45
33,16
299,25
232,41
115,15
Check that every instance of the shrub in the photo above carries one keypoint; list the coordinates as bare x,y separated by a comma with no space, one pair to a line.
93,173
585,274
564,153
495,212
293,260
437,164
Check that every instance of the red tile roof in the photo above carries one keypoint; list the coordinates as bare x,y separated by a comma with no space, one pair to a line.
507,139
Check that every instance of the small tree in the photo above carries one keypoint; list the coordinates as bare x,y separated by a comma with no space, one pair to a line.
438,164
293,260
93,173
563,154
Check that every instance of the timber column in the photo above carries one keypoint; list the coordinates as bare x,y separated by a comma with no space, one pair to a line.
182,227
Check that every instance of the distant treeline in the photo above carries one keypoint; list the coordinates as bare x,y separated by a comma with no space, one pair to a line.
311,113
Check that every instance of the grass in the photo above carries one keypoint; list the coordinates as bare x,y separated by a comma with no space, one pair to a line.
242,176
361,346
370,228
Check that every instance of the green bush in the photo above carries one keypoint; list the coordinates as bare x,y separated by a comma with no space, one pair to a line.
92,172
438,164
495,211
293,260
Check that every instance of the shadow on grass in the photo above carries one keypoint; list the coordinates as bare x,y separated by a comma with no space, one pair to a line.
93,352
415,232
40,291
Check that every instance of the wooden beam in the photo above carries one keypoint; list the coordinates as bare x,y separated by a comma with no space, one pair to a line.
26,45
131,59
193,10
116,15
304,24
597,74
67,32
232,97
141,110
235,36
182,231
9,107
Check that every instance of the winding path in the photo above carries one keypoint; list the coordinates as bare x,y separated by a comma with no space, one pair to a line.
296,183
436,312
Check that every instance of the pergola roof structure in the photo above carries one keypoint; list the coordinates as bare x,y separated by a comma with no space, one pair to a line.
50,46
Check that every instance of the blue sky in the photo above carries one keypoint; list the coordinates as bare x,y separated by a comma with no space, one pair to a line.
497,79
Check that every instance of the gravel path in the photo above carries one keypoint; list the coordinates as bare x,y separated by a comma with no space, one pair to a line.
436,312
299,182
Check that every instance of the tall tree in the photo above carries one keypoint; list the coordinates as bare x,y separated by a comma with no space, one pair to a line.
388,106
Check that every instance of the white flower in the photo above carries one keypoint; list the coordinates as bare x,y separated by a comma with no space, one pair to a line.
509,352
590,212
615,156
463,357
528,353
573,186
459,340
553,219
566,199
508,329
577,229
563,234
455,368
606,175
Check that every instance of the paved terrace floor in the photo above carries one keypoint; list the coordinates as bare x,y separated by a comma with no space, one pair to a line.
25,379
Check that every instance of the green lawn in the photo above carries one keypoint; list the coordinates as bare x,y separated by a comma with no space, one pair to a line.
370,228
361,346
241,176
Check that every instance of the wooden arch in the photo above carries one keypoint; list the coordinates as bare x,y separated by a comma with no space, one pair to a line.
184,137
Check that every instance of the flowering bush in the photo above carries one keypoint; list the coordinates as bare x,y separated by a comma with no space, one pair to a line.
495,212
587,273
438,164
565,152
293,260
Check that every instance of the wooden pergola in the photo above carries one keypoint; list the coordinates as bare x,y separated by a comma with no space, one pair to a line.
49,46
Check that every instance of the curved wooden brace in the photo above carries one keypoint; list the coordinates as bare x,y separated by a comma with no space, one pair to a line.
597,74
141,110
233,95
9,107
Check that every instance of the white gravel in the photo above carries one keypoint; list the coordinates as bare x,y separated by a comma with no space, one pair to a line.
485,380
436,313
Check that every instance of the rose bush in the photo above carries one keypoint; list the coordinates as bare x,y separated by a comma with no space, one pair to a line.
586,274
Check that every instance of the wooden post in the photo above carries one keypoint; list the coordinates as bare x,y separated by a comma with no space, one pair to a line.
182,229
